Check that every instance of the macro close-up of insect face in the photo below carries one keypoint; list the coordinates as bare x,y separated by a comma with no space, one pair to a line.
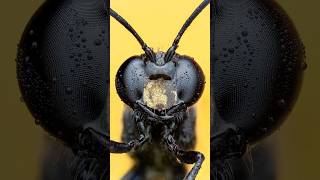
198,101
159,89
66,80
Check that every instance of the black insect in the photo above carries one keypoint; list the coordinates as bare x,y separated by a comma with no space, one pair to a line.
257,66
63,69
159,89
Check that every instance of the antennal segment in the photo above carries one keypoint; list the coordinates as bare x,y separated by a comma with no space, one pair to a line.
148,51
172,50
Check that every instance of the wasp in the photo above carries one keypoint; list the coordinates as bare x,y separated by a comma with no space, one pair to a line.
159,124
257,64
63,75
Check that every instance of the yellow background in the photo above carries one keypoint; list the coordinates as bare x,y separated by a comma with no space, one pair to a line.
158,22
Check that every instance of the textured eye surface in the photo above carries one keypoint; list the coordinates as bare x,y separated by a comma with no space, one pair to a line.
190,80
63,75
130,80
160,86
61,65
258,61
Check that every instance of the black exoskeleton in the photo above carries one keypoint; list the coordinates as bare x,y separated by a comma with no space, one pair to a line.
257,64
159,89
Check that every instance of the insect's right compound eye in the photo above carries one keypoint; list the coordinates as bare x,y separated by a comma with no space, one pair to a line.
130,80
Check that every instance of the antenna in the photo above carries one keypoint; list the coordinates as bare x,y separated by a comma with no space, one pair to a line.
172,50
148,51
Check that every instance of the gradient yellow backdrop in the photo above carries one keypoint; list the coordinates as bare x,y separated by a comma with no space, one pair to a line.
158,22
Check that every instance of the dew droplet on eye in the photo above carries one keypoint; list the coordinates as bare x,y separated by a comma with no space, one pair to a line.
244,33
34,45
97,42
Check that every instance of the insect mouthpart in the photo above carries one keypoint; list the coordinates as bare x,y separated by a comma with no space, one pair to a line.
160,94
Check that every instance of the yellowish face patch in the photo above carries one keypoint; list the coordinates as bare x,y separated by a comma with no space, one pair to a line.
160,94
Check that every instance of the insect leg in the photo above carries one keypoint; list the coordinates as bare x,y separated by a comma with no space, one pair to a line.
188,157
99,143
95,138
228,144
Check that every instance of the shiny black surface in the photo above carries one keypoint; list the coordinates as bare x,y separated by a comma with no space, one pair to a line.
62,65
257,64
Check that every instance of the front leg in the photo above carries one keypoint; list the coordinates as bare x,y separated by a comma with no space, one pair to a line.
96,140
228,144
188,157
98,144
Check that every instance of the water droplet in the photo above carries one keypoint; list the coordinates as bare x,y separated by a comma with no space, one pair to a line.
231,50
281,102
97,42
304,65
34,45
264,130
271,119
37,121
31,32
244,33
26,59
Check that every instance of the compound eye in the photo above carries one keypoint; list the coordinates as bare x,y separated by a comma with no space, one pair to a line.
190,80
130,80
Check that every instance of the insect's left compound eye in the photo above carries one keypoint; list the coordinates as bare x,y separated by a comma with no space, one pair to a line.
190,79
160,86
